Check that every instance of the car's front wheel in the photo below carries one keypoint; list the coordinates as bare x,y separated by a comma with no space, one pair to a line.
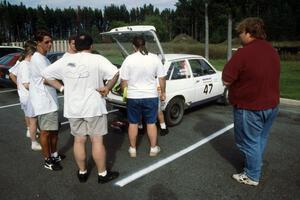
174,111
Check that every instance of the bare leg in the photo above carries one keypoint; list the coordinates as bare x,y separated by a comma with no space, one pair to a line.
32,127
53,141
79,152
132,133
44,140
27,121
98,152
161,117
152,134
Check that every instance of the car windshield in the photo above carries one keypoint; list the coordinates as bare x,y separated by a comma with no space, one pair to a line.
117,46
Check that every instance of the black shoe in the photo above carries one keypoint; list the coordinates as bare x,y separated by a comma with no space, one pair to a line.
109,176
58,158
164,132
82,177
52,165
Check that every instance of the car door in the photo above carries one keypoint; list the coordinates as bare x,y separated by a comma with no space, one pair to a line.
204,79
179,81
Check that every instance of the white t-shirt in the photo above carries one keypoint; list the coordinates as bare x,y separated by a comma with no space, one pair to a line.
82,73
14,69
23,77
66,54
43,97
141,72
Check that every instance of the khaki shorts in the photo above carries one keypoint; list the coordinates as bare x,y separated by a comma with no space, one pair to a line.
88,126
48,121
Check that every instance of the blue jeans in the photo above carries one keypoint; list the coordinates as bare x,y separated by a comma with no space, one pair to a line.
251,130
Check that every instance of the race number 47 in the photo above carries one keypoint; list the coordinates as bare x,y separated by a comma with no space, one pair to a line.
208,88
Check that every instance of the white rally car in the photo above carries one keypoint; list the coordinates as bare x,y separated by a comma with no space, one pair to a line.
191,79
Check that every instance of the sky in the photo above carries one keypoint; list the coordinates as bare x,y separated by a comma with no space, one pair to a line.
160,4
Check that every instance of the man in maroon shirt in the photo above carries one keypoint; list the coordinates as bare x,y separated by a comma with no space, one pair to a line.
252,77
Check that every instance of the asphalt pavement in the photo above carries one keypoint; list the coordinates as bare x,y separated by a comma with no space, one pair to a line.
197,160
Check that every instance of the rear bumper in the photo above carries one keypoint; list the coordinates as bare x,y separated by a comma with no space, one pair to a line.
116,103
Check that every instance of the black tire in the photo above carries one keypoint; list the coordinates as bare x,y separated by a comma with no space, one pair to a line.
174,111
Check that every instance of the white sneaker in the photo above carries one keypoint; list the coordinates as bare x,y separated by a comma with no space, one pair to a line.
154,151
35,146
243,178
132,152
28,133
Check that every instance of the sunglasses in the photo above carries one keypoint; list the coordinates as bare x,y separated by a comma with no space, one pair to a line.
47,42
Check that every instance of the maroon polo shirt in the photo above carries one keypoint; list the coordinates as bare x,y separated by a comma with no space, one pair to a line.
253,72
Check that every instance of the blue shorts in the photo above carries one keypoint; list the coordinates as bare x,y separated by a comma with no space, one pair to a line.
142,108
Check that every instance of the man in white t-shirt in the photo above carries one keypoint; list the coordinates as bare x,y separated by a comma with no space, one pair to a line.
71,46
138,74
83,75
44,101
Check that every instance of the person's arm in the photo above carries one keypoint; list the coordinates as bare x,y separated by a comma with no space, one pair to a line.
124,84
227,84
53,73
109,85
232,68
13,78
54,83
162,85
26,85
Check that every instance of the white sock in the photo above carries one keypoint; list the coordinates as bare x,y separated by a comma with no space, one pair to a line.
140,126
132,148
82,172
34,142
55,154
102,173
163,125
153,148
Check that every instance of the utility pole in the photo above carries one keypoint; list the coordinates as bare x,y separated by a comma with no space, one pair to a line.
206,33
229,37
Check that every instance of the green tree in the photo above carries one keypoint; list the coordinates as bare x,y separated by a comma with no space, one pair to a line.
159,25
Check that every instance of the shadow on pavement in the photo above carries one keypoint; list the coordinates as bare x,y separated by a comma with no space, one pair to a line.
223,144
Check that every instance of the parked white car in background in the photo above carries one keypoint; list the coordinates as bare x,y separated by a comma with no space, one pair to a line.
191,79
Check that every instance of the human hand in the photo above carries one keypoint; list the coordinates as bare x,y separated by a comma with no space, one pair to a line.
103,91
162,96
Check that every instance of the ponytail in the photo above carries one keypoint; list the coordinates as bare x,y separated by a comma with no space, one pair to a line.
139,43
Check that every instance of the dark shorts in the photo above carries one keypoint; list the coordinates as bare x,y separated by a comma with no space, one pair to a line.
142,108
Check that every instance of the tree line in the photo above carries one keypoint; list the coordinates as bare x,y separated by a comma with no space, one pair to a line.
282,18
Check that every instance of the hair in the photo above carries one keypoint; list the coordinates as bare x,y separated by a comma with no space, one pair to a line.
39,36
139,43
29,43
83,42
72,37
28,51
254,26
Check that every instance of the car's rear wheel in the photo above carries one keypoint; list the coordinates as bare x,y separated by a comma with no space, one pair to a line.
174,111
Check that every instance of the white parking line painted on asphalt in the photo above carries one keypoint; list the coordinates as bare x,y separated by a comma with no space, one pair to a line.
11,105
17,104
5,91
171,158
